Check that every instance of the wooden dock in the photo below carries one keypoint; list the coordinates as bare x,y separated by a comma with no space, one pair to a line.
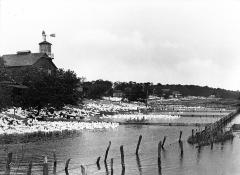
214,132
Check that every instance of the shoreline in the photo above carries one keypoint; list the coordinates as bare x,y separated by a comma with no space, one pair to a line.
164,124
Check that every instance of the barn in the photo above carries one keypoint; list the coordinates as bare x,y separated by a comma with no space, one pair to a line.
15,64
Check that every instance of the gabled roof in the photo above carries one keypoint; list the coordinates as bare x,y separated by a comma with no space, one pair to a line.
28,59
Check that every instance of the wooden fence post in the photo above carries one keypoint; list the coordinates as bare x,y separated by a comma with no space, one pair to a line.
98,164
180,136
106,154
29,172
45,166
159,153
139,141
66,166
159,157
164,139
192,133
181,147
138,145
122,157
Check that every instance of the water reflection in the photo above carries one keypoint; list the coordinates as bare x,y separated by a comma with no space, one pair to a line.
222,146
123,171
164,153
106,168
139,164
112,166
199,150
159,169
181,148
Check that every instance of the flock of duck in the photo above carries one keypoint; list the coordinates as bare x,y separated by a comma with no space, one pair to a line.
121,110
89,109
143,117
9,125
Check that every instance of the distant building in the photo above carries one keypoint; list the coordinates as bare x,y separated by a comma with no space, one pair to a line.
165,90
14,64
166,93
118,93
212,96
176,94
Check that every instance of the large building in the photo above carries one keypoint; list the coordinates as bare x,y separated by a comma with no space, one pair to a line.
14,64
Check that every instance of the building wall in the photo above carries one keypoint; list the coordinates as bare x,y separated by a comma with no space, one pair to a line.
16,73
45,48
43,64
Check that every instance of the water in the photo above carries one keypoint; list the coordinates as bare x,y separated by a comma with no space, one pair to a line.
84,149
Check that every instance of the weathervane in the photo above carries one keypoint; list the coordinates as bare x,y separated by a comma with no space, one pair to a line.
45,36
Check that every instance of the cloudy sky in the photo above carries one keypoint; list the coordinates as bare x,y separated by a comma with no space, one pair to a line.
166,41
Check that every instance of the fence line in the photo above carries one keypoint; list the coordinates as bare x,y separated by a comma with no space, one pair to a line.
161,147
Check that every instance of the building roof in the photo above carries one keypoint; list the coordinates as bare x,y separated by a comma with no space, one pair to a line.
27,59
45,42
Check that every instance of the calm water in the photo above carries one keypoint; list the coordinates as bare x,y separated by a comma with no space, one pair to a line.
84,149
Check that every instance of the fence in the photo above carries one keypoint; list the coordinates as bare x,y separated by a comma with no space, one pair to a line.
46,166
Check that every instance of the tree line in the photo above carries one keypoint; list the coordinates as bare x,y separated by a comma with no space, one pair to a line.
133,91
61,88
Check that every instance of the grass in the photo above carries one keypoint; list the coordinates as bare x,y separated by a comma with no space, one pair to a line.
36,136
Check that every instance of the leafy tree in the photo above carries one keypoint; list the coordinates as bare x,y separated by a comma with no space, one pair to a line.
97,89
134,91
5,92
53,90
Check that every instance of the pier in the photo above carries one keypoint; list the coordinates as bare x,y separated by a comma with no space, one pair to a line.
214,132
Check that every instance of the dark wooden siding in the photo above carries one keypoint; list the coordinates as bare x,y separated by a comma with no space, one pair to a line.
43,64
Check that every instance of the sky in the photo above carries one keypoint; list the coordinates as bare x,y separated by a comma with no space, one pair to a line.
159,41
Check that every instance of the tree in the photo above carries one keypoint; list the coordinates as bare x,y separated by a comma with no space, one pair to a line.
5,92
134,91
97,89
46,90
